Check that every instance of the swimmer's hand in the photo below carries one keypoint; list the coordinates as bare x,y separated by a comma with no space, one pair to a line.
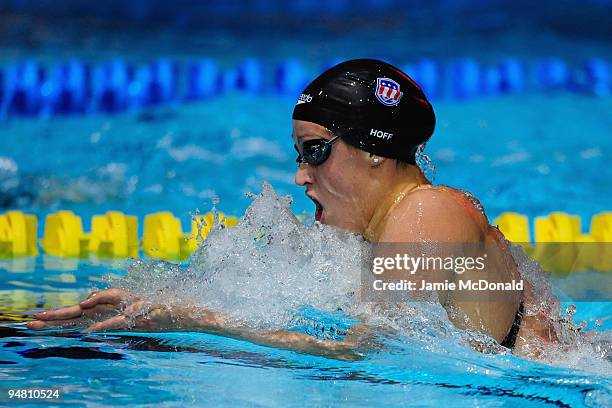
145,317
117,309
100,305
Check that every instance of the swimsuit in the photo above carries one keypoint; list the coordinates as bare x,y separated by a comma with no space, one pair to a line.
510,339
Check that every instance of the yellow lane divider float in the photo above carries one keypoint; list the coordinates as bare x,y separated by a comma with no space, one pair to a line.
601,231
113,235
163,236
64,235
557,241
559,244
17,235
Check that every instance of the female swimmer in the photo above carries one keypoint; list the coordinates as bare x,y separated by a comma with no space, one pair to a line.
357,129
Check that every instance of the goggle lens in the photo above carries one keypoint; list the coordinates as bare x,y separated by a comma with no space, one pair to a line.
315,152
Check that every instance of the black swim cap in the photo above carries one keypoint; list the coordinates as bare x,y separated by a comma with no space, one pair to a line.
372,106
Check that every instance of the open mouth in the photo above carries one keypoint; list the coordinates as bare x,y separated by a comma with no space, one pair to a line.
319,213
318,210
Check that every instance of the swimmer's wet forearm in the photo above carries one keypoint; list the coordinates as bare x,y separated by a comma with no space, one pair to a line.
303,343
215,323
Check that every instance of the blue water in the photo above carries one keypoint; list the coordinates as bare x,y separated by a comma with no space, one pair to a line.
200,369
179,158
532,153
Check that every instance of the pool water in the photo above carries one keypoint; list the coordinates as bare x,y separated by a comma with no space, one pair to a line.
168,369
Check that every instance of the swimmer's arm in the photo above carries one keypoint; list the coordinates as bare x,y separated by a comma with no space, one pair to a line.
303,343
189,318
214,323
105,307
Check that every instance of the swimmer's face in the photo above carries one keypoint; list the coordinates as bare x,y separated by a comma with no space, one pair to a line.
340,186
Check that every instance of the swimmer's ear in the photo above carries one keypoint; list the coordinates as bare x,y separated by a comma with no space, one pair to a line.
375,160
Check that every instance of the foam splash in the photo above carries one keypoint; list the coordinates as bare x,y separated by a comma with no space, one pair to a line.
425,163
589,350
261,272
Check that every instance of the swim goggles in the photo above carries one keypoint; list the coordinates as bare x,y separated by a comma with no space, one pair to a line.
315,151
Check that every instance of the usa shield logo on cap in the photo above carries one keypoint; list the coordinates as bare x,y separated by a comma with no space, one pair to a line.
388,91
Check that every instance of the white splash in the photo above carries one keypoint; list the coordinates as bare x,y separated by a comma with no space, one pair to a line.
263,270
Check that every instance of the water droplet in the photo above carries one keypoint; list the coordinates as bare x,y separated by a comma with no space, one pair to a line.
425,163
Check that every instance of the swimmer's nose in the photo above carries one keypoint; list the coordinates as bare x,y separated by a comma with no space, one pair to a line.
303,175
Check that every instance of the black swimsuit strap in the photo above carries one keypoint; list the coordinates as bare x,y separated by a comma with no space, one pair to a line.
510,339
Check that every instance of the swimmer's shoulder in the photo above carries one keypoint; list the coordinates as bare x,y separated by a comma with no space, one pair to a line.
432,213
437,199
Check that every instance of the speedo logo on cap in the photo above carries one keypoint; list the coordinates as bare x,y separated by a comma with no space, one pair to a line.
304,98
380,134
387,91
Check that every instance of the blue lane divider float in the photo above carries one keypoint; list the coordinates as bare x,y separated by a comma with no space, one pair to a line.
75,87
202,79
598,76
22,89
490,81
250,76
290,77
465,78
512,75
552,73
2,91
163,86
428,75
110,86
66,89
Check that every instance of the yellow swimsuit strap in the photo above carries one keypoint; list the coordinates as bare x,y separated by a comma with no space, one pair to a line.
382,211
